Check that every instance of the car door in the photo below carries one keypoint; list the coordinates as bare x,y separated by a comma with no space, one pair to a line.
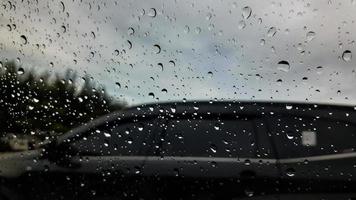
221,147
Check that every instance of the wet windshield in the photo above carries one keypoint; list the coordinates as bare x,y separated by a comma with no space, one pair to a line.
177,92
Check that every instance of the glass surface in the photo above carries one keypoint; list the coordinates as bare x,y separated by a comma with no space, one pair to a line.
177,99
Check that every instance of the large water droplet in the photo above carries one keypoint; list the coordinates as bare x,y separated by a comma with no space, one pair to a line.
62,7
151,94
210,73
246,12
107,135
118,84
20,71
283,66
152,12
23,39
289,107
157,48
161,66
290,135
347,55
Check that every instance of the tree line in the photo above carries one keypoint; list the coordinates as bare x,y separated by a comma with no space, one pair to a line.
31,102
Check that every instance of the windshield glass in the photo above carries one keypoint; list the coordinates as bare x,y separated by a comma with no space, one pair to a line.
145,99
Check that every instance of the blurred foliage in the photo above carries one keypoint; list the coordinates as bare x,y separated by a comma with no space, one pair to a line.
32,103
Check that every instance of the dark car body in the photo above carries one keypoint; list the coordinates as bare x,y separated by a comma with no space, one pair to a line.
189,150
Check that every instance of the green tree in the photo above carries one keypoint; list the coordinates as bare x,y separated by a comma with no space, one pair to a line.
31,102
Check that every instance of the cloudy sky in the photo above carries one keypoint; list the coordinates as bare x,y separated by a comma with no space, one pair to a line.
146,51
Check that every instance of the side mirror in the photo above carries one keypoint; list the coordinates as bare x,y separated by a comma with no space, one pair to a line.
61,154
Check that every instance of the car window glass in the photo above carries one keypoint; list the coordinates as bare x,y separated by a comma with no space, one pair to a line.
132,138
210,138
302,137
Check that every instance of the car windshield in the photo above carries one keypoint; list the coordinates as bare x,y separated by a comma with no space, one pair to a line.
254,93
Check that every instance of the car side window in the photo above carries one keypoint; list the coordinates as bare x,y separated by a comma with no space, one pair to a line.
119,139
295,137
210,138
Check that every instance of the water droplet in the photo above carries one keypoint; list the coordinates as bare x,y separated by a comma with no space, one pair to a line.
118,84
140,126
107,135
246,12
164,90
129,140
290,172
172,63
217,126
152,12
186,29
290,135
289,107
23,39
347,55
176,171
137,170
310,36
241,24
214,164
161,66
213,148
271,31
151,94
210,73
262,42
283,66
247,162
157,48
63,8
9,27
249,192
64,29
129,43
20,71
131,31
208,16
197,30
